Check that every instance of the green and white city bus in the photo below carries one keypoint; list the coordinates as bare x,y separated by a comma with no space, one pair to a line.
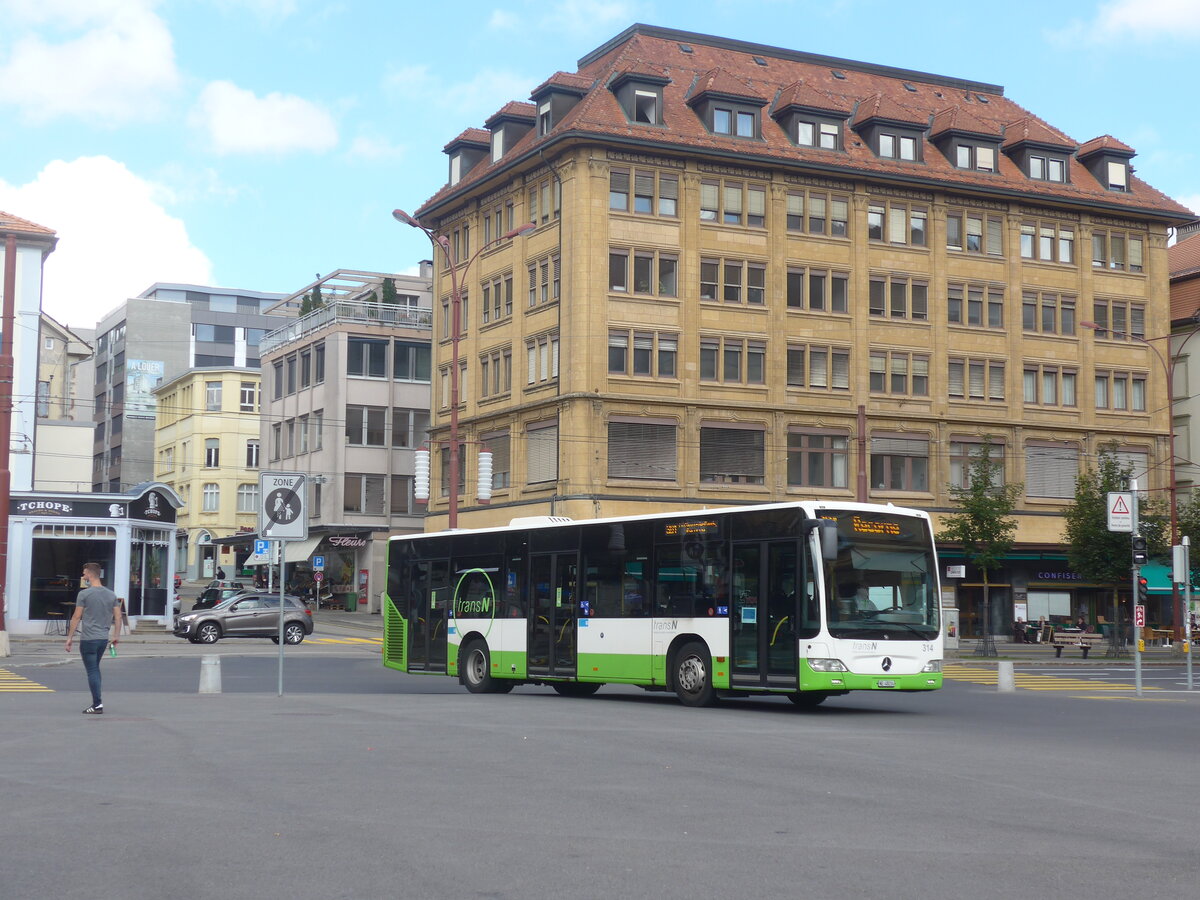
807,599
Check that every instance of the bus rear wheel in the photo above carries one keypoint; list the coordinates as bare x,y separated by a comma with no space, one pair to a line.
575,688
476,669
808,699
693,675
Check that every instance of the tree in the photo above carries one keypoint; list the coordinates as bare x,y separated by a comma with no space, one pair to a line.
985,528
317,299
389,292
306,304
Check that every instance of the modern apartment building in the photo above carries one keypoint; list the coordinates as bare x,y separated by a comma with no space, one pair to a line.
760,274
207,450
152,338
63,450
346,401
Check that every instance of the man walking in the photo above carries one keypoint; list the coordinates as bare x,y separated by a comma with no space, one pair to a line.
96,608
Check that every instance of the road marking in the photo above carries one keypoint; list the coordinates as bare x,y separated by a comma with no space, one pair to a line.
12,683
988,675
372,641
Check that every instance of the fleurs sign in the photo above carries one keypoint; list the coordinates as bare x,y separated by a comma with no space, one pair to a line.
347,542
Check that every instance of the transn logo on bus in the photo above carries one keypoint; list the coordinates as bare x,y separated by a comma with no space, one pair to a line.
666,625
866,646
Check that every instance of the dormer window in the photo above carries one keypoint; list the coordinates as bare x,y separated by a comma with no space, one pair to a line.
455,169
897,146
640,95
1118,176
825,135
645,107
734,122
1047,168
726,104
973,156
543,120
497,145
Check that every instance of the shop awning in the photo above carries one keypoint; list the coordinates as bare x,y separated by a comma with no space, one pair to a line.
260,559
300,551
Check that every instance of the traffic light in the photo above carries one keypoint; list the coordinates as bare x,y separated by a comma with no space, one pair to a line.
1143,591
1139,550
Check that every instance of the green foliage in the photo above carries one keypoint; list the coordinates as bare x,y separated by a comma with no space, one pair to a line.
985,528
306,304
1097,554
1187,516
317,299
389,292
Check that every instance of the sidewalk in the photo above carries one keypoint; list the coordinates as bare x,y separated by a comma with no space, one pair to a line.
1044,654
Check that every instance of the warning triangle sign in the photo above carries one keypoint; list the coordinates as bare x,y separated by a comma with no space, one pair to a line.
1120,506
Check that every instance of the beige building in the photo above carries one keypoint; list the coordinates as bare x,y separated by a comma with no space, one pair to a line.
63,449
761,274
207,449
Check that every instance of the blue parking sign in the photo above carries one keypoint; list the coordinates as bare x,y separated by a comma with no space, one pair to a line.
318,562
261,547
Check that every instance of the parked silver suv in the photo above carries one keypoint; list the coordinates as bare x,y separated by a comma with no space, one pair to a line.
250,614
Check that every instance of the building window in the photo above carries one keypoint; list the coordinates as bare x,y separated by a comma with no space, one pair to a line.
495,373
733,203
499,444
1047,313
899,372
247,498
963,455
302,428
212,453
653,273
318,421
411,361
541,452
1119,320
974,156
545,203
976,379
733,360
410,427
899,297
896,146
542,288
248,398
305,368
366,357
1048,242
1050,471
817,459
975,305
1117,250
1118,176
814,212
734,122
642,450
642,353
1048,385
212,396
541,357
899,464
277,441
825,135
251,454
364,426
1120,391
897,223
731,455
497,299
400,498
818,368
825,291
738,281
289,432
644,191
1048,168
212,497
363,494
972,232
319,363
166,460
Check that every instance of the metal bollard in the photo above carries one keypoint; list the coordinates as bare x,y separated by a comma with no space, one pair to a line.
210,674
1006,682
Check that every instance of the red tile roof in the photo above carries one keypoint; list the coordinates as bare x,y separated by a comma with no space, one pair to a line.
893,93
17,225
1106,142
958,119
513,109
805,96
719,82
1183,257
573,83
472,136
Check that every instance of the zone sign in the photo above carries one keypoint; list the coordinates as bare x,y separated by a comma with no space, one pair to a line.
282,515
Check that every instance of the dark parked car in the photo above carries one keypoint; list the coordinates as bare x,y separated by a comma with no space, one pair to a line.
218,591
251,614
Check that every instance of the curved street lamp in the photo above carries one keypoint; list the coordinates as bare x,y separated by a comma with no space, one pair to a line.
458,273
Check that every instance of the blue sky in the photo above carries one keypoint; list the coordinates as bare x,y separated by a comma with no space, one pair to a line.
256,143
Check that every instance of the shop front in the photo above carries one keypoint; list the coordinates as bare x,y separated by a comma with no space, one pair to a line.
51,535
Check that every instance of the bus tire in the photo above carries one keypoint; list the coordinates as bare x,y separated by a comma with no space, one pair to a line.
808,699
476,668
692,675
575,688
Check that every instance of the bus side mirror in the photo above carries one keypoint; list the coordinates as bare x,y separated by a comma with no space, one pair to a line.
827,534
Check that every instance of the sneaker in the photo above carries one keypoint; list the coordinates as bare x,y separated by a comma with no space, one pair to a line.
94,710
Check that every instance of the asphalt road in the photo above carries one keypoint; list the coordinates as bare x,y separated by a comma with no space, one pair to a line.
364,783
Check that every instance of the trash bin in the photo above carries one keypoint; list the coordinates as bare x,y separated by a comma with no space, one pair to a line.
351,602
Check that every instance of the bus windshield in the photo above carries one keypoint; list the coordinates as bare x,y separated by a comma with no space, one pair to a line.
882,583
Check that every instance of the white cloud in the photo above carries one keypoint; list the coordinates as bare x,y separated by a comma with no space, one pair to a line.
587,16
267,10
115,238
375,149
503,20
117,65
237,121
474,100
1120,20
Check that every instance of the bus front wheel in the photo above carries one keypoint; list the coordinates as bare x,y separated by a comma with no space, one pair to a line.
693,675
808,699
476,668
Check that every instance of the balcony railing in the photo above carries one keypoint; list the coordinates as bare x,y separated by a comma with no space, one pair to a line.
351,312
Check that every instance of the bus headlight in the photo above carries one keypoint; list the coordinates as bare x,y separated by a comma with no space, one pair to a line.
827,665
934,665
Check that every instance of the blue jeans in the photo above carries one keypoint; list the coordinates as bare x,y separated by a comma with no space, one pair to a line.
92,652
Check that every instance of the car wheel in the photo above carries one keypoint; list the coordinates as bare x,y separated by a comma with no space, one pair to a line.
293,633
693,675
208,633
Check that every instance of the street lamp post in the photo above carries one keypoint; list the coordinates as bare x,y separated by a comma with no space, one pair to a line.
1169,371
442,242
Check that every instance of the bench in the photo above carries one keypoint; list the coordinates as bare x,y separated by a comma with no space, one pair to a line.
1084,640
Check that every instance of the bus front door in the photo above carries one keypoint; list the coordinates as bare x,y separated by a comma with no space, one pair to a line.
763,614
428,613
552,638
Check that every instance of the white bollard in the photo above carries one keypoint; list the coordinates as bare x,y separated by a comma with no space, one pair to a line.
1006,682
210,674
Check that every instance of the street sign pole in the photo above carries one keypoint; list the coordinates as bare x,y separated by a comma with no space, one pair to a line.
282,517
1133,597
1187,605
282,548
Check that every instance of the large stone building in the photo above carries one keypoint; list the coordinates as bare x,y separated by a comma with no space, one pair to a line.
62,459
772,274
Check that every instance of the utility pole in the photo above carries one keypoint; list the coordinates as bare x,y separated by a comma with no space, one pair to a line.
7,319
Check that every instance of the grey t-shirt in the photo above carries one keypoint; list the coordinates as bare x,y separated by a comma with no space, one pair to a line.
97,604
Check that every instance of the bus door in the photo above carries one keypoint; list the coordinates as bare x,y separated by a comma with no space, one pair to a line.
762,618
552,637
428,616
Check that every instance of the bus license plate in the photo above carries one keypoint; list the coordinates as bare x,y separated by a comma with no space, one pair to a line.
885,684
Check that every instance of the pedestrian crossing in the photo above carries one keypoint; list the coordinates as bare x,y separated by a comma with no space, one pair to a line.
12,683
372,642
1029,681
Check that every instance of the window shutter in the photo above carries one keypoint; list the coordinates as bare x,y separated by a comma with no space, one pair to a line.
644,184
641,450
708,195
895,446
897,225
795,204
1136,462
956,379
668,187
541,445
1051,471
731,454
841,370
619,182
756,200
733,199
